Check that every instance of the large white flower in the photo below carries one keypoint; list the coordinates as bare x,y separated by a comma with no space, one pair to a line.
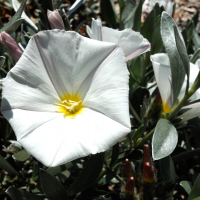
162,71
132,43
67,97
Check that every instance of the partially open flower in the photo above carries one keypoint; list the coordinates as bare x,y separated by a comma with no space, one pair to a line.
146,156
55,20
148,173
132,43
129,187
11,45
67,97
162,71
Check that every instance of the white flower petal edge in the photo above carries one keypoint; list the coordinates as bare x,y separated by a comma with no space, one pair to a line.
132,43
162,71
16,6
60,61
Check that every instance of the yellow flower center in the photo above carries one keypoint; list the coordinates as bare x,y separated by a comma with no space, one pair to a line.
166,108
71,106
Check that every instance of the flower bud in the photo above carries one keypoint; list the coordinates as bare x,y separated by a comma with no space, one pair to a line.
148,173
129,187
127,169
146,156
55,20
11,45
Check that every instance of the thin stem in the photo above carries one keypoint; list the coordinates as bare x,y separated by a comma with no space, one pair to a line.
134,113
147,137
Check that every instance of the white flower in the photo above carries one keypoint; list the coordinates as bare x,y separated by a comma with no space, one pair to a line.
132,43
67,97
162,71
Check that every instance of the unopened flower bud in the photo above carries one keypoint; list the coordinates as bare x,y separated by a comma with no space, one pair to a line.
55,20
129,187
11,45
146,156
128,172
148,173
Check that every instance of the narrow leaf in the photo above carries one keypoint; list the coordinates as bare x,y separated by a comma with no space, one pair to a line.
75,6
109,13
88,175
115,153
183,54
53,189
148,25
195,56
186,185
16,194
167,169
15,18
21,156
164,140
6,166
137,17
195,192
177,69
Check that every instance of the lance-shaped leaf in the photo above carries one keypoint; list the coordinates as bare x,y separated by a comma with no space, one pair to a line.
75,6
88,175
164,140
6,166
177,68
16,194
53,189
183,53
16,6
186,185
14,23
195,192
136,19
21,155
195,56
109,12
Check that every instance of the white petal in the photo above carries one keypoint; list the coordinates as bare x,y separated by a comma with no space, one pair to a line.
75,6
27,85
89,31
197,63
108,91
63,140
132,43
16,6
162,71
96,29
24,122
68,63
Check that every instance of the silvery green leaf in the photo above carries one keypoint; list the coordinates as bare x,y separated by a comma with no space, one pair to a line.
164,140
128,13
16,20
195,192
195,56
21,156
16,6
177,69
186,185
75,6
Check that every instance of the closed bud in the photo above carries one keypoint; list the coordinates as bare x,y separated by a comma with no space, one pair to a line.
148,173
146,156
55,20
129,187
127,169
11,45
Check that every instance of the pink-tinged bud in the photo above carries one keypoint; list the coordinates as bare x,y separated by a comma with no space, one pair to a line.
146,156
55,20
127,169
11,45
148,173
129,187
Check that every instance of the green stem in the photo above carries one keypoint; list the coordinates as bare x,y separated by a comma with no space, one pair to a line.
134,113
144,140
